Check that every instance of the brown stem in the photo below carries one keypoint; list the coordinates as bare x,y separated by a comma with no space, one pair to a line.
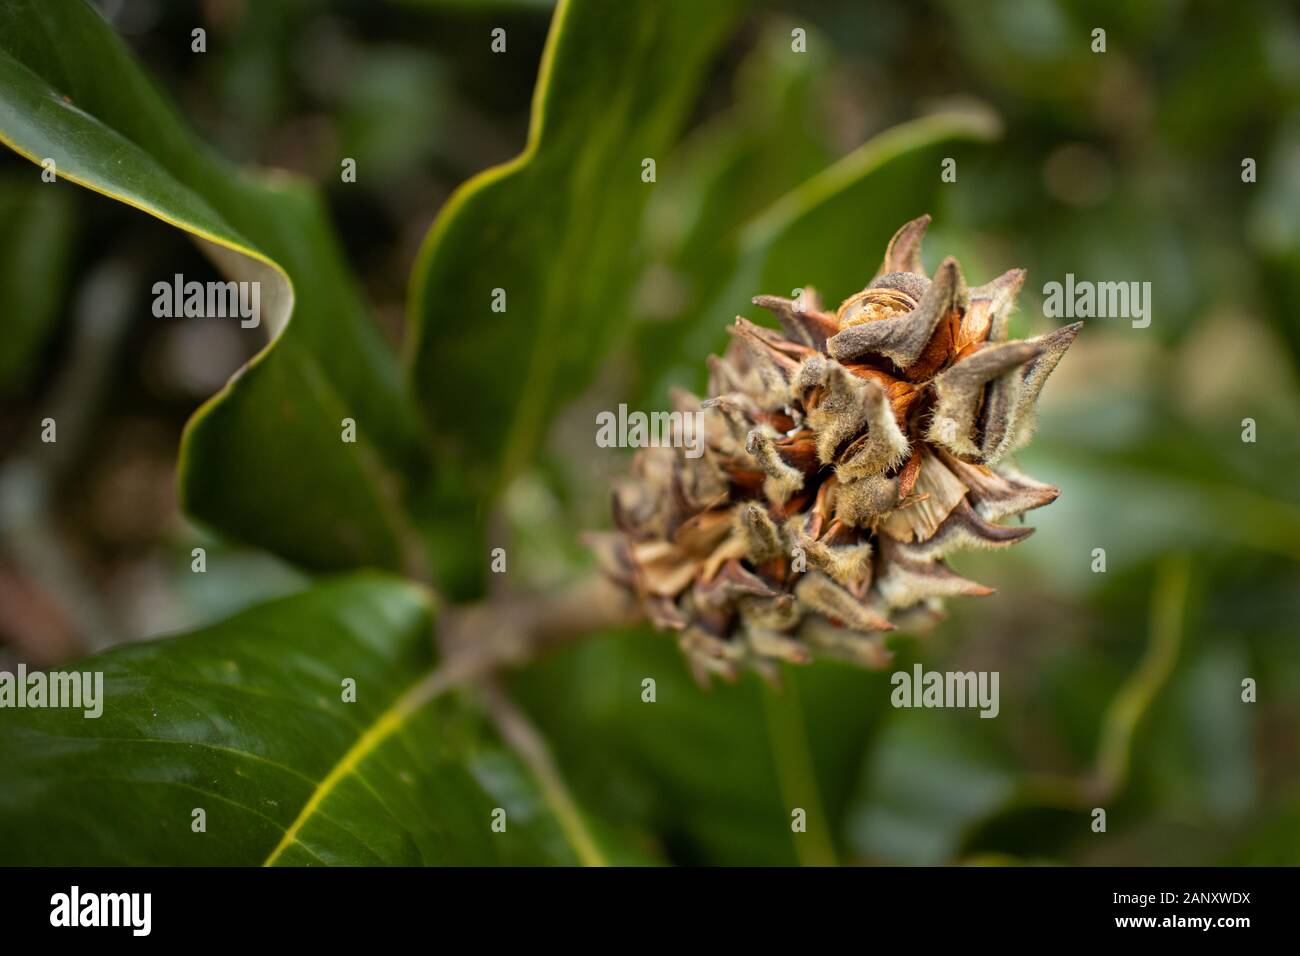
511,631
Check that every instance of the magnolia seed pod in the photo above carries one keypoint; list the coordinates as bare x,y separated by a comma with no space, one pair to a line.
847,456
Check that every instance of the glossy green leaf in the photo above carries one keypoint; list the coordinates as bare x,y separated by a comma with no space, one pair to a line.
34,247
553,230
246,720
276,427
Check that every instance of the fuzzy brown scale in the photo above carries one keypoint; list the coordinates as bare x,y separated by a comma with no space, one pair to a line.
846,456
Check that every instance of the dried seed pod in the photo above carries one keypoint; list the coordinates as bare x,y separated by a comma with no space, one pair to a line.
847,456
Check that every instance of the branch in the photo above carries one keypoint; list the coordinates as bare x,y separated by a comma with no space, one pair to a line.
512,631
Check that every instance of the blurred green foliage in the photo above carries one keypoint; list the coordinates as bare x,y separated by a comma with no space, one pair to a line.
777,170
33,267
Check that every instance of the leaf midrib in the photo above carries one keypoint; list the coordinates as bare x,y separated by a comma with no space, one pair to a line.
423,691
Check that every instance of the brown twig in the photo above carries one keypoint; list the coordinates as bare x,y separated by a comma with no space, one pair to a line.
511,631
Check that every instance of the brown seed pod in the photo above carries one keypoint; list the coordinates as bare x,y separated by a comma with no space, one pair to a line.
845,457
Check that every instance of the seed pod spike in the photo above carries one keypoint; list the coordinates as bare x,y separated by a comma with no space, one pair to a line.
964,529
907,582
774,645
824,596
865,649
903,254
762,538
990,307
881,445
903,338
771,367
801,322
1052,347
959,392
844,564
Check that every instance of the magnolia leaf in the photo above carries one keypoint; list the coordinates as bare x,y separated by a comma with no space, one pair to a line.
521,283
34,247
309,730
263,460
